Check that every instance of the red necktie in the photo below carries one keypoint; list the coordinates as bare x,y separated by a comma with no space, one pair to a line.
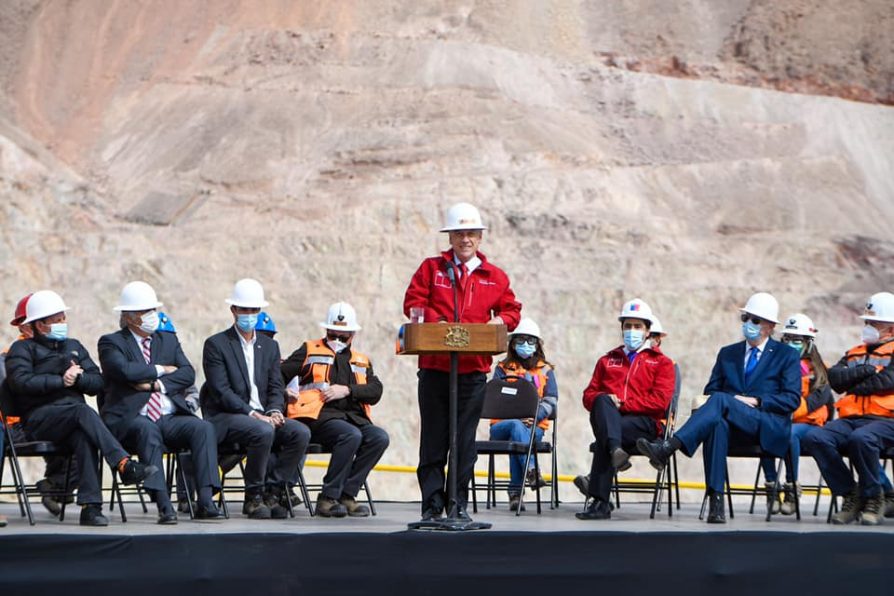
154,405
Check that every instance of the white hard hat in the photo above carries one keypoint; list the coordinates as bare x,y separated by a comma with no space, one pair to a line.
762,305
248,293
880,308
463,216
799,324
341,317
136,296
43,304
656,327
527,327
636,309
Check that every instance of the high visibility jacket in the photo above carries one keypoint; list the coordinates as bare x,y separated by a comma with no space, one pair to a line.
879,403
315,375
537,376
803,415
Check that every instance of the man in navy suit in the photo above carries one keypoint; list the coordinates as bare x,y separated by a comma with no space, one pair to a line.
244,398
754,388
146,377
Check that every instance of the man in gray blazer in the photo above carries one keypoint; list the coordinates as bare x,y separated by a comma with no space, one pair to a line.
244,398
146,377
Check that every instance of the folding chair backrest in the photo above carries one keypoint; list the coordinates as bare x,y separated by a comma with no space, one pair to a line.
2,367
671,422
512,397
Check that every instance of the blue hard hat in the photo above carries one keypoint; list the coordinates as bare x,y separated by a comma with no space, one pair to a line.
265,323
164,323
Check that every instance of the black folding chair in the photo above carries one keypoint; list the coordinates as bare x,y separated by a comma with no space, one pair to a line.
506,399
317,449
666,478
173,468
237,451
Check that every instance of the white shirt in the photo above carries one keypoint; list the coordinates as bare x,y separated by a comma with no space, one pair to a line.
471,265
760,351
167,406
248,350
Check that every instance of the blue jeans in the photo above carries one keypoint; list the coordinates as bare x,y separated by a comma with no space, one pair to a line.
861,440
791,475
515,430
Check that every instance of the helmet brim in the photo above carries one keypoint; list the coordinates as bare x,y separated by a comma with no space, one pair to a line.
137,307
349,328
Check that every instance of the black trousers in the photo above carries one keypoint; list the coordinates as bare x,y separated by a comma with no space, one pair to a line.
150,440
434,440
288,444
79,428
355,451
612,430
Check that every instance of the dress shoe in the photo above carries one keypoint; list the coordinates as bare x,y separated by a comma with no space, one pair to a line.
254,507
716,512
597,509
91,515
850,509
658,452
515,503
582,483
135,472
329,507
167,517
208,511
873,512
534,479
432,514
183,506
461,514
620,459
354,508
272,501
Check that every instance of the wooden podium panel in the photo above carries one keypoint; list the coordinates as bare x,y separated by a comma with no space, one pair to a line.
443,338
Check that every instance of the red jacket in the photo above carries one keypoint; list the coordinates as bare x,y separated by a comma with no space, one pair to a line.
481,297
644,387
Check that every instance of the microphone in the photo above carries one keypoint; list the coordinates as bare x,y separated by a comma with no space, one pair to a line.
451,273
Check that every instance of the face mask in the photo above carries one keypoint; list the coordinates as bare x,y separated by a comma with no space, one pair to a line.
751,331
525,350
633,339
336,345
246,322
798,345
58,332
870,335
149,322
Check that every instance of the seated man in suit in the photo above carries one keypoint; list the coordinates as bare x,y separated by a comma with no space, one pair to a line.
48,375
244,399
628,396
337,385
754,388
146,379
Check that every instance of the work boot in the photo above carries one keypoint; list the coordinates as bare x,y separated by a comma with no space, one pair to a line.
850,508
889,504
329,507
597,509
91,515
658,452
791,494
873,512
167,516
48,496
716,511
515,502
354,508
290,495
534,480
772,490
582,483
620,459
254,506
134,472
273,501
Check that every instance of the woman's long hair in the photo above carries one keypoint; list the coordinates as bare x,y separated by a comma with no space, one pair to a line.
820,372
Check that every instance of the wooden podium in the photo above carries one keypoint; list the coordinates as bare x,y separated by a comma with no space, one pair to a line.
473,339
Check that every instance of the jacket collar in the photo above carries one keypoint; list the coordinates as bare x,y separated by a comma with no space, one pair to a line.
484,267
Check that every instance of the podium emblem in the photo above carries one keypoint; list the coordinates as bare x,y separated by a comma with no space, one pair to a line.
456,337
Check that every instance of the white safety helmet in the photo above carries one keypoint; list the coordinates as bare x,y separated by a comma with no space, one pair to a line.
799,324
656,327
762,305
137,296
341,317
463,216
880,308
248,293
636,309
43,304
527,327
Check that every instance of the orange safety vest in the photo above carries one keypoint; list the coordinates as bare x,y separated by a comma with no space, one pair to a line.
536,375
868,405
801,416
315,375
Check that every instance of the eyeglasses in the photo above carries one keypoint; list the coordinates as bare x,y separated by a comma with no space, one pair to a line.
746,317
531,341
336,337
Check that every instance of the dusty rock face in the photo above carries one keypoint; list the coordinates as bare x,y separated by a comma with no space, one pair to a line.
317,150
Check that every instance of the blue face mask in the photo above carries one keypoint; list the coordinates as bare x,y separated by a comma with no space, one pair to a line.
58,332
633,339
246,322
525,350
798,345
751,331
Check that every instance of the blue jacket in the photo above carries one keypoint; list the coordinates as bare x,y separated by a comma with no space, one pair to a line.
776,382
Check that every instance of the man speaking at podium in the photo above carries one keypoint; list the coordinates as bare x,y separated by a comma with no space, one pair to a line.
458,285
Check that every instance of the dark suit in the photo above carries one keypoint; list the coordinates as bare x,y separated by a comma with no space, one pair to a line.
124,366
776,382
226,395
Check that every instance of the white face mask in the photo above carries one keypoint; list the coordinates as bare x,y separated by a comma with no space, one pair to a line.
149,322
336,345
870,335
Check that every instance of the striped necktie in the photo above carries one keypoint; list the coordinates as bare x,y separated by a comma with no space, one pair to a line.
154,405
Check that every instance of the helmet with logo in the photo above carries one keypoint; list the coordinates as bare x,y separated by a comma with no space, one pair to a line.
248,293
656,328
265,323
527,327
137,296
43,304
636,309
463,216
880,307
799,324
762,305
341,317
19,316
